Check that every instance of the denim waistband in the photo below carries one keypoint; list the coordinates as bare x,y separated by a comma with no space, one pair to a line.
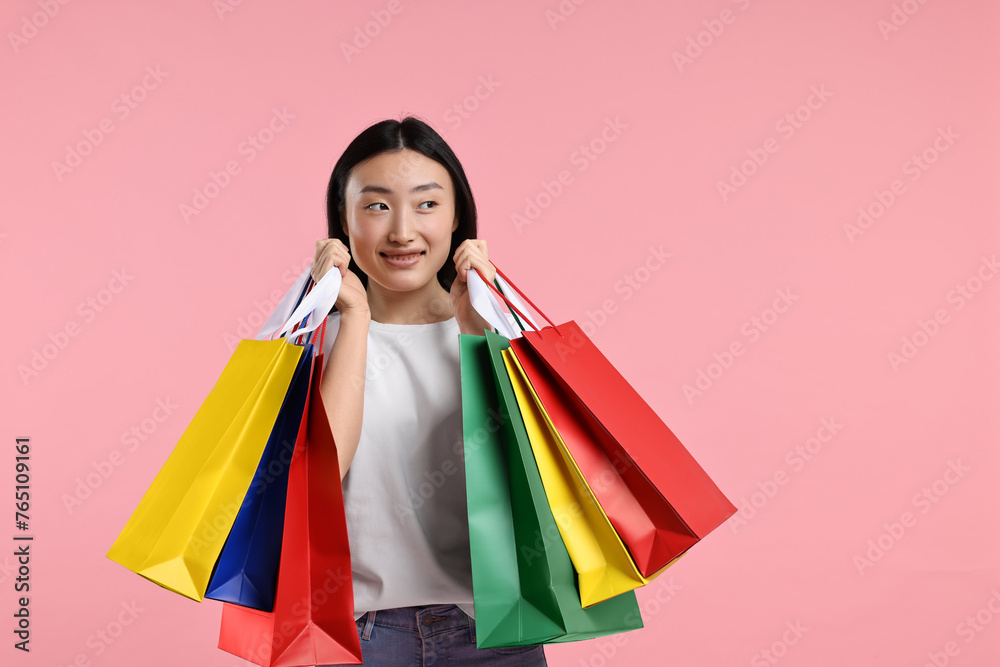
426,620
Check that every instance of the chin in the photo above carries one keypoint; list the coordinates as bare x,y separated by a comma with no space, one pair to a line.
400,283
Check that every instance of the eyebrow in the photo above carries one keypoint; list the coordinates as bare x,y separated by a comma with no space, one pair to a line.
382,190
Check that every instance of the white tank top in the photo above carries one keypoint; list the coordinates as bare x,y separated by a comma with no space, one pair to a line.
404,494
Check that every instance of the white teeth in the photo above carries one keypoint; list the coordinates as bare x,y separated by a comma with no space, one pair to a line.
404,258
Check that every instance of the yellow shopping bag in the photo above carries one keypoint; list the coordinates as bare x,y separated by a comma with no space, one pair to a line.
176,533
602,561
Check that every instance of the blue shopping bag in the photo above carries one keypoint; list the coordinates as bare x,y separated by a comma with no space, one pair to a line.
246,572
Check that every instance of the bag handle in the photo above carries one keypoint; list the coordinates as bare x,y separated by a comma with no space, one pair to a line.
488,306
508,301
311,336
315,305
288,303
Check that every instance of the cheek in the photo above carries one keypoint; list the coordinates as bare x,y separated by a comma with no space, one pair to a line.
361,239
443,234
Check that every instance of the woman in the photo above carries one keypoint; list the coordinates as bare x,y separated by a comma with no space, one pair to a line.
402,232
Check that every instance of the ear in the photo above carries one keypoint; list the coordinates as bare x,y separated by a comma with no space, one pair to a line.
455,225
343,223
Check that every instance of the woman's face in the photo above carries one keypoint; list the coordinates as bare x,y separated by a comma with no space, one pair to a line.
399,215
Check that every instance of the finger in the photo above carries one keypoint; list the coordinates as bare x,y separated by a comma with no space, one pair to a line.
467,252
467,244
470,262
476,255
322,245
471,248
341,259
329,256
323,250
461,250
336,249
462,262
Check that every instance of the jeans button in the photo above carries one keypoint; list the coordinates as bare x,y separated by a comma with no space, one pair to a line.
427,620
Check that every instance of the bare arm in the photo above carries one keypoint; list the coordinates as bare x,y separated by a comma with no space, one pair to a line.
343,385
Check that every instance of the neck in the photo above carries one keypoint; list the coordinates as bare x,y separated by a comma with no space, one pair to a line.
429,304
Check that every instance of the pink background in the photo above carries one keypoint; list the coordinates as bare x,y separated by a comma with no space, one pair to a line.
682,127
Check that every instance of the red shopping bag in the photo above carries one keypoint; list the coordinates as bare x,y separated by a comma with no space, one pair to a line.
313,618
658,498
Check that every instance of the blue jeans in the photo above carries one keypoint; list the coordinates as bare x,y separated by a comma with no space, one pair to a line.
437,635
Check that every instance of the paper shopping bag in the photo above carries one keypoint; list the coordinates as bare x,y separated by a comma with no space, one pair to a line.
177,531
313,618
648,526
601,560
247,570
657,497
524,586
636,435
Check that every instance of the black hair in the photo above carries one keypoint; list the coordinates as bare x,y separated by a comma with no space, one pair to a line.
395,135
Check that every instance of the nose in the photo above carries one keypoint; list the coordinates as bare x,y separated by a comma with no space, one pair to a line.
403,228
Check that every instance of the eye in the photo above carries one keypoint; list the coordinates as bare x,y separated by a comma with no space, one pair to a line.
378,203
429,201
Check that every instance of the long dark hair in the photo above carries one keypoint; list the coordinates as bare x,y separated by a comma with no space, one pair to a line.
394,135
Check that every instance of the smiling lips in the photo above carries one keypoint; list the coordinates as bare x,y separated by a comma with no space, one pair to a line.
402,260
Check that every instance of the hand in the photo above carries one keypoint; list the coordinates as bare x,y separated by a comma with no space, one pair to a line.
330,254
471,254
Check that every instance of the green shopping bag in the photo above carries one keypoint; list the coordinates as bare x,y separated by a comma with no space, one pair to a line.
524,585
